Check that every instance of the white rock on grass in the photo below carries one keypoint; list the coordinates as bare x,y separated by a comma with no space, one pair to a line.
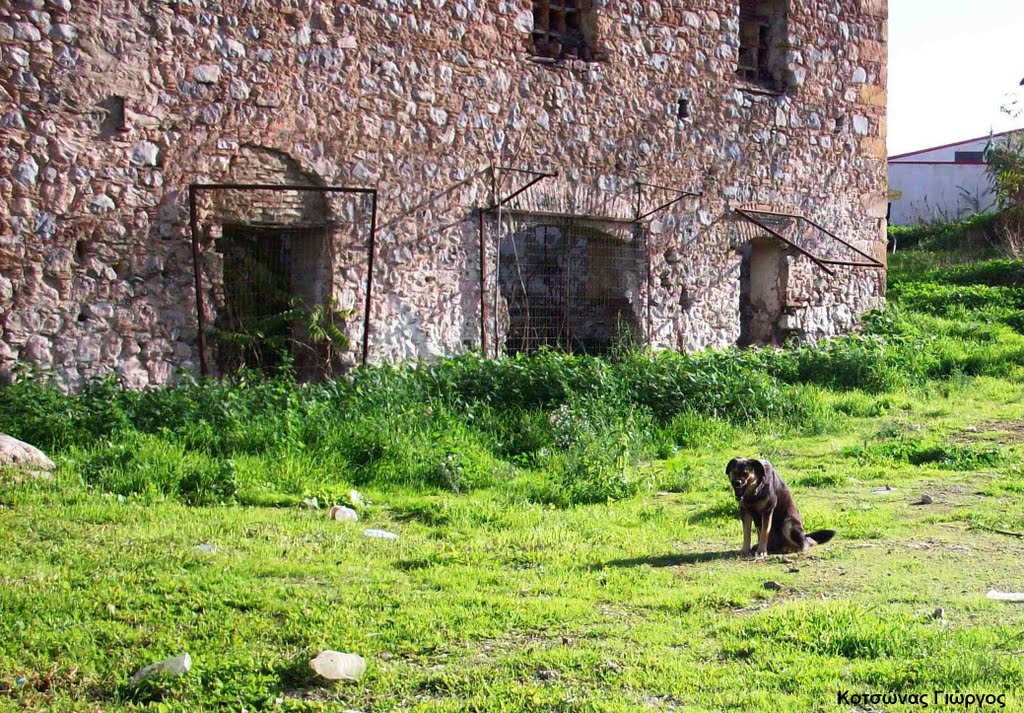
1006,596
22,455
175,666
336,666
340,512
380,534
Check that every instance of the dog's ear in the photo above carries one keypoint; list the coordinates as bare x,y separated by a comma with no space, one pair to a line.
762,468
730,466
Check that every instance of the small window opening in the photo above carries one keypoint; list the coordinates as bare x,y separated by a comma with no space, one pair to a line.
763,40
969,157
683,109
82,250
114,116
561,28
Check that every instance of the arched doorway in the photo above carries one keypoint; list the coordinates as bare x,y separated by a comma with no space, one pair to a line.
275,264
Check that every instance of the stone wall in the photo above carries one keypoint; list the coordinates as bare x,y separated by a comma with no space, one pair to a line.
420,99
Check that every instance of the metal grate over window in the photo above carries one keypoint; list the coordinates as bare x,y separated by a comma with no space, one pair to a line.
558,29
283,272
265,271
564,278
573,286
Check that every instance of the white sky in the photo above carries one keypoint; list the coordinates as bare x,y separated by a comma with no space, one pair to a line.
952,64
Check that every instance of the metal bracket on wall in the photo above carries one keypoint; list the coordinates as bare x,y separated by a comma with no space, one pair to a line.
643,215
764,219
538,176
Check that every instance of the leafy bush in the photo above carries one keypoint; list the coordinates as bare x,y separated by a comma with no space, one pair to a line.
1004,164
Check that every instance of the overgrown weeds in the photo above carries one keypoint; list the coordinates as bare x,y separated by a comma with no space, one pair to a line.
573,427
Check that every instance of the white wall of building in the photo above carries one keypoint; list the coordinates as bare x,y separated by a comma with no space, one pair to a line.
937,188
938,192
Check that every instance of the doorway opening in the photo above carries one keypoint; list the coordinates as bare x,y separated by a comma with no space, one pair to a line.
763,278
271,274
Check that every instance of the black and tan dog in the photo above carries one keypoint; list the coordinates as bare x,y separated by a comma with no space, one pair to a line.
765,499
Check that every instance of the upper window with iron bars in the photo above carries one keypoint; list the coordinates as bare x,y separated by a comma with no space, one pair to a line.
763,42
563,29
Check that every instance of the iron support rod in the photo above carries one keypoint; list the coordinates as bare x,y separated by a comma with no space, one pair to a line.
521,170
787,241
483,283
369,277
663,206
277,187
770,212
850,263
877,263
647,259
193,222
495,188
666,188
540,177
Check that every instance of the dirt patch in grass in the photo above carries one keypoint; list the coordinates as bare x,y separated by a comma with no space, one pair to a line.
1003,432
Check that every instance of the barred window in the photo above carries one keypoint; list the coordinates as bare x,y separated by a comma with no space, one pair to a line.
762,42
561,28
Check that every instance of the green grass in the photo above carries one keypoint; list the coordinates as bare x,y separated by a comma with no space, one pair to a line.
567,536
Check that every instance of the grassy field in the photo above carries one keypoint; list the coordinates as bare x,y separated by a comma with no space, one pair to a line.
564,547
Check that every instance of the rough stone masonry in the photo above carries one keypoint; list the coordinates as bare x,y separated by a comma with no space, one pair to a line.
111,109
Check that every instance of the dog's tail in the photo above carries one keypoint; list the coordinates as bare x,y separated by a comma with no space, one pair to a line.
820,537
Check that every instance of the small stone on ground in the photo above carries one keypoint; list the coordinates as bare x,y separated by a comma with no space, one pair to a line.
380,534
338,666
340,512
175,666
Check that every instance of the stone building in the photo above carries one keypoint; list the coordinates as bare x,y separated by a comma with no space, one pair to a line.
450,174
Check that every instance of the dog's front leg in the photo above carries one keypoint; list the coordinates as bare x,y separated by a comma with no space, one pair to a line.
762,535
747,521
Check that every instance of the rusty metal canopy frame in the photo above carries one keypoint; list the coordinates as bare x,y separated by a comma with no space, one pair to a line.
776,222
193,193
571,223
